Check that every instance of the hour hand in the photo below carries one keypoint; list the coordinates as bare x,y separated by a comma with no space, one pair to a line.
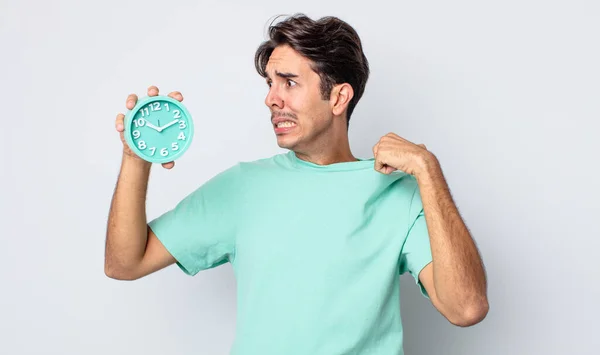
153,126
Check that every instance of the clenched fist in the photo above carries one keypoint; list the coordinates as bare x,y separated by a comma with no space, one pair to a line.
393,152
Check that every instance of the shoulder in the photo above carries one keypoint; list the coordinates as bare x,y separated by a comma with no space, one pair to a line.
404,184
234,176
411,187
406,192
244,167
273,161
254,171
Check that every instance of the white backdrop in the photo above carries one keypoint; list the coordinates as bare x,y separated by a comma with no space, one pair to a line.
506,94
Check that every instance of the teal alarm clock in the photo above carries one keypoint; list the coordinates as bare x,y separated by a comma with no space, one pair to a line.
159,129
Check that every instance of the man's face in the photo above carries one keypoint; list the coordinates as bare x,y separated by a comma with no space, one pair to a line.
299,115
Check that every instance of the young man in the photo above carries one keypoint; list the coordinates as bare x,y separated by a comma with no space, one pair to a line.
317,237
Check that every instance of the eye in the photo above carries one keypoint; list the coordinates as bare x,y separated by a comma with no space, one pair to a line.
291,82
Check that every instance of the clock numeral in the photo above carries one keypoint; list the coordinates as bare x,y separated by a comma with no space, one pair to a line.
164,152
174,146
139,122
167,106
152,150
136,134
177,114
182,124
145,110
155,106
181,136
142,145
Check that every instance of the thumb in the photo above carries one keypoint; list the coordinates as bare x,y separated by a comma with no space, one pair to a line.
382,167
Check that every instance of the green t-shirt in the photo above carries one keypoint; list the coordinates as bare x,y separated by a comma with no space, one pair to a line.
317,252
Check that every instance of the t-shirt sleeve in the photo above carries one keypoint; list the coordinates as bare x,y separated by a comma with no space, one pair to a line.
200,230
416,252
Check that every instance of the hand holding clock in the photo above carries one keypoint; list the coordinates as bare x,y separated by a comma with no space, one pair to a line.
141,130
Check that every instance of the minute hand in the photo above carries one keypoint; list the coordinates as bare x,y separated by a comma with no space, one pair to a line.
169,124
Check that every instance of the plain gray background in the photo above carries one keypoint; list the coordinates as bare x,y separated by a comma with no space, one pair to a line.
505,93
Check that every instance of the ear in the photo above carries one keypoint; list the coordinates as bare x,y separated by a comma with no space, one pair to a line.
341,95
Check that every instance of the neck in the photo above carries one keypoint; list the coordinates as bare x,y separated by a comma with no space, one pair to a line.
334,151
329,146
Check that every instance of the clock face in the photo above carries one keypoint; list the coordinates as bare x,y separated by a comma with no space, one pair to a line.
159,129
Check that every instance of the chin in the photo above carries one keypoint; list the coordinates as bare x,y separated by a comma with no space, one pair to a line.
287,142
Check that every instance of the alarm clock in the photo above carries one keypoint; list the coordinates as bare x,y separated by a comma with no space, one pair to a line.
159,129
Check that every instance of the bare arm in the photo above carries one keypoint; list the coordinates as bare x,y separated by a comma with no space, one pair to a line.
455,280
132,250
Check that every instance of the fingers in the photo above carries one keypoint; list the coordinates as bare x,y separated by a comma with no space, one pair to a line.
131,101
168,165
394,136
152,90
176,95
383,168
119,122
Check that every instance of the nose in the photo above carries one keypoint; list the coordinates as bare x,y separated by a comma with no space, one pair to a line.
273,98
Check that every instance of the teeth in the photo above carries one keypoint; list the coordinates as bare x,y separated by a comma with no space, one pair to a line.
285,124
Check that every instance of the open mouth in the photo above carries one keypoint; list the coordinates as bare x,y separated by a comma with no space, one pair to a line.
285,124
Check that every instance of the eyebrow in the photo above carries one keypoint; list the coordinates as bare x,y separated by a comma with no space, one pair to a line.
284,75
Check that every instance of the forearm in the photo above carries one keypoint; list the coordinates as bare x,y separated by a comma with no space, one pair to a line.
126,234
458,272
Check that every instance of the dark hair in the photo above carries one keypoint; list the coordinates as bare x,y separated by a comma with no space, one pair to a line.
331,44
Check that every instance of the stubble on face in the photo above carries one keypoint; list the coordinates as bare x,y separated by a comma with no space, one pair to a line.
295,96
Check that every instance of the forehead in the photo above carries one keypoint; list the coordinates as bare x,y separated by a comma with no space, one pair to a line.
285,59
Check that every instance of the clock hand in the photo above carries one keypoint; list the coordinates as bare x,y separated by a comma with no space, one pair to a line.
169,124
153,126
